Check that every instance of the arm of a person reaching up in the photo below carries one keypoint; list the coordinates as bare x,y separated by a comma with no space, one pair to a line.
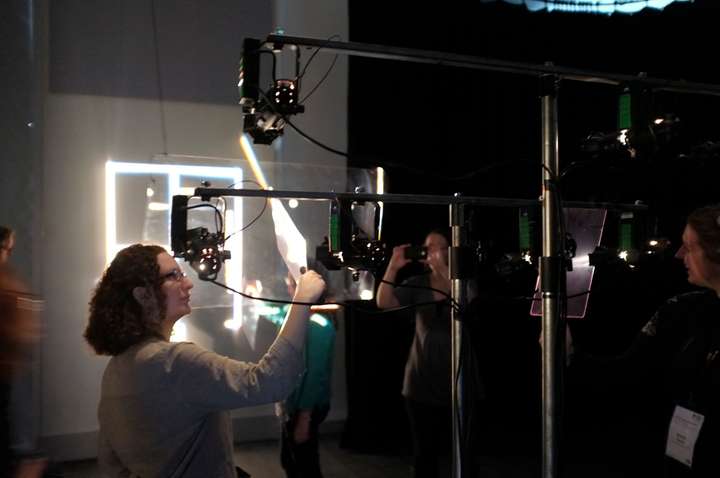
386,298
212,381
309,288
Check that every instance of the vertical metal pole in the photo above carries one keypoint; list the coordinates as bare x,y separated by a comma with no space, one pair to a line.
457,292
549,273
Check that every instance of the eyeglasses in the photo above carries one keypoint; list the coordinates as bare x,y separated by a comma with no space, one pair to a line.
176,275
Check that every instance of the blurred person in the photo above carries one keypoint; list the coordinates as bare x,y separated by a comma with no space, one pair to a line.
309,404
165,407
427,380
19,332
676,357
7,243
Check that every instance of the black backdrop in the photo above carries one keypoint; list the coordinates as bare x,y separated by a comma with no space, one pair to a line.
429,125
440,130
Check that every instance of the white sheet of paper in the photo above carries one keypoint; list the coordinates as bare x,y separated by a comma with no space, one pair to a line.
682,435
290,242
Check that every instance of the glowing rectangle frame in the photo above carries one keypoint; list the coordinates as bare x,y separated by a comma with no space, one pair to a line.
173,172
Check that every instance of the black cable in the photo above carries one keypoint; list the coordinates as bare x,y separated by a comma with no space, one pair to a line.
553,176
277,301
410,286
313,56
262,211
218,216
341,304
302,75
246,181
269,104
314,88
397,309
255,219
314,141
218,227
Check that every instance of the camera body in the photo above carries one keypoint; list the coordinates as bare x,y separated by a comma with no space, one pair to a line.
416,253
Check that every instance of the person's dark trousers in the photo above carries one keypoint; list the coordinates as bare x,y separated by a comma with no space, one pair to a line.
302,460
5,453
431,428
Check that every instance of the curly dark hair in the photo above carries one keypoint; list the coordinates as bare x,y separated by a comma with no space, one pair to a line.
705,221
117,320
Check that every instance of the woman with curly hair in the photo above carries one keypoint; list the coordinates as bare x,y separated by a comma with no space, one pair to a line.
165,407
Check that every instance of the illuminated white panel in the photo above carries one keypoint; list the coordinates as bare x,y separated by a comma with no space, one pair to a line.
173,172
290,242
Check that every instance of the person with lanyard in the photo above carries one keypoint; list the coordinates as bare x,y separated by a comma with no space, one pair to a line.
674,362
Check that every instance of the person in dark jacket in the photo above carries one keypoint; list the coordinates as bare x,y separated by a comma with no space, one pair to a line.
676,358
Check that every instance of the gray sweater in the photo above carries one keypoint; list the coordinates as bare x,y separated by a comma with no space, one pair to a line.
165,407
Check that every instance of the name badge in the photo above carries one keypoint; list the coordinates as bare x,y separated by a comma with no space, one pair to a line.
682,435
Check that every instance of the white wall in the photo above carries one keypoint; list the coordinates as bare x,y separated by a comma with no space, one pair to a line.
325,119
81,133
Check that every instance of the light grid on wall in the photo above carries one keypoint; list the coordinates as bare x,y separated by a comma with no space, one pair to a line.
174,180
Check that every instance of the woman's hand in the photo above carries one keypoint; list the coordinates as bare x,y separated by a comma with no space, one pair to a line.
310,287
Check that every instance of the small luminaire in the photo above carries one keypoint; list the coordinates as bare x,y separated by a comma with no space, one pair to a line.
366,294
293,203
657,245
659,121
149,192
158,206
623,137
232,324
623,255
285,93
527,257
